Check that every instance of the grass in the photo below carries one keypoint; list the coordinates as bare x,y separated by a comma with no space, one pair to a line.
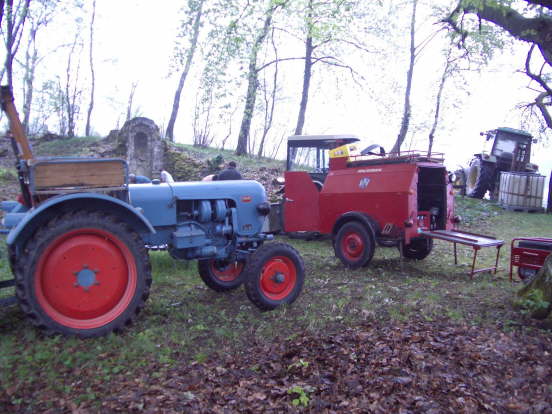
66,147
185,321
244,161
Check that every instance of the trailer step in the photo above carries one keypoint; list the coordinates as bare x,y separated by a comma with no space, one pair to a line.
476,241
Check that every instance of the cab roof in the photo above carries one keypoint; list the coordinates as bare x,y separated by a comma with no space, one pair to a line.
320,140
514,131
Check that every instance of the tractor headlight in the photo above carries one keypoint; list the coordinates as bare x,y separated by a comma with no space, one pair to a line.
263,208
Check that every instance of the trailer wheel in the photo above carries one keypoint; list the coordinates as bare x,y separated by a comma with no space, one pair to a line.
221,275
480,178
275,276
527,275
354,245
84,274
418,248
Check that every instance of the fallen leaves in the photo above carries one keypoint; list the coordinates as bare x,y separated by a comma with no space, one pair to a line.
405,368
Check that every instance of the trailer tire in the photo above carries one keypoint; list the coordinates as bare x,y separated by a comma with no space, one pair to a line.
84,274
480,178
354,244
275,276
418,248
221,275
526,275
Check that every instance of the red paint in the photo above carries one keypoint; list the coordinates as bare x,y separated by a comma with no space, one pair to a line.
278,267
352,246
301,206
387,192
77,307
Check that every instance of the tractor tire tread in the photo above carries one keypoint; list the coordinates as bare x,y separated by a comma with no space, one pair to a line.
39,241
253,269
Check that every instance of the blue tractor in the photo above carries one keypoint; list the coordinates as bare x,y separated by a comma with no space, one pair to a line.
79,233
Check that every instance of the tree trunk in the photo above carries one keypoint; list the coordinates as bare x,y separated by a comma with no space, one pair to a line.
187,65
535,298
31,58
252,85
92,74
270,101
444,78
131,99
307,74
15,22
549,203
407,109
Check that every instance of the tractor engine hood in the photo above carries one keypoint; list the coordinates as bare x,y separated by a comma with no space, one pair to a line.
160,202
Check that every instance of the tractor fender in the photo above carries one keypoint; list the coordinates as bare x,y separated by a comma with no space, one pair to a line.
78,201
370,223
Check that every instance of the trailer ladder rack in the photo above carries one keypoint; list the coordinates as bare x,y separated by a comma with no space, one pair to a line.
476,241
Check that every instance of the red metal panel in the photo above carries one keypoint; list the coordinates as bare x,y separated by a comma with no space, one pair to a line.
385,192
301,202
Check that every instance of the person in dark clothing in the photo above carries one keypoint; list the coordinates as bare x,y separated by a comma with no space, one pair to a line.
138,179
229,173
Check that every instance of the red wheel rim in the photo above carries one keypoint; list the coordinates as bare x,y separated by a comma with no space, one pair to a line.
226,272
278,277
352,246
85,278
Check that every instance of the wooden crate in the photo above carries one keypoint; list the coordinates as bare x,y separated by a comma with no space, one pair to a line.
68,174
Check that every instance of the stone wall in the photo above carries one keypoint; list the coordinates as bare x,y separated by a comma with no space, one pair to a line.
144,147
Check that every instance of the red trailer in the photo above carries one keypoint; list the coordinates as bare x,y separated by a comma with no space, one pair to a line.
529,254
364,198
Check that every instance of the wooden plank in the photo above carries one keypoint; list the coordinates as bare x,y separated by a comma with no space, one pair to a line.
78,174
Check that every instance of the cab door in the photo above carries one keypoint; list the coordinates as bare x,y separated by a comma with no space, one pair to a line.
301,203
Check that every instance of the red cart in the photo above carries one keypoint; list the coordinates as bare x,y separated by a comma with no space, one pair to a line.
529,254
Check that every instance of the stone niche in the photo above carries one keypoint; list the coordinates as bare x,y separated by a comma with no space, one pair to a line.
144,148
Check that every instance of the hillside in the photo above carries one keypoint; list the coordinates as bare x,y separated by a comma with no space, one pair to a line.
185,162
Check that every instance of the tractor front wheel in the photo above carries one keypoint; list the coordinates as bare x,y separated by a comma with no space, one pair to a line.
275,276
480,178
84,274
222,275
354,245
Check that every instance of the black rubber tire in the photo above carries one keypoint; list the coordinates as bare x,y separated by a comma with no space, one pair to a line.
480,179
418,248
269,257
113,232
354,244
214,281
527,275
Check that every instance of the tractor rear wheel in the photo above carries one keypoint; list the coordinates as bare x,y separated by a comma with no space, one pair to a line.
84,274
221,275
418,248
479,178
275,276
354,245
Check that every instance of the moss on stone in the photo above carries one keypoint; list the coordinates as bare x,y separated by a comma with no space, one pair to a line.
182,166
536,297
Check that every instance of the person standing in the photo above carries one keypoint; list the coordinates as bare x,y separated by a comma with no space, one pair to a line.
229,173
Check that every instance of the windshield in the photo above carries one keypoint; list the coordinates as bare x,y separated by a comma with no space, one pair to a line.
504,145
311,159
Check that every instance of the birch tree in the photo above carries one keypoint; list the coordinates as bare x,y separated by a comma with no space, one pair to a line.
13,19
190,29
92,73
